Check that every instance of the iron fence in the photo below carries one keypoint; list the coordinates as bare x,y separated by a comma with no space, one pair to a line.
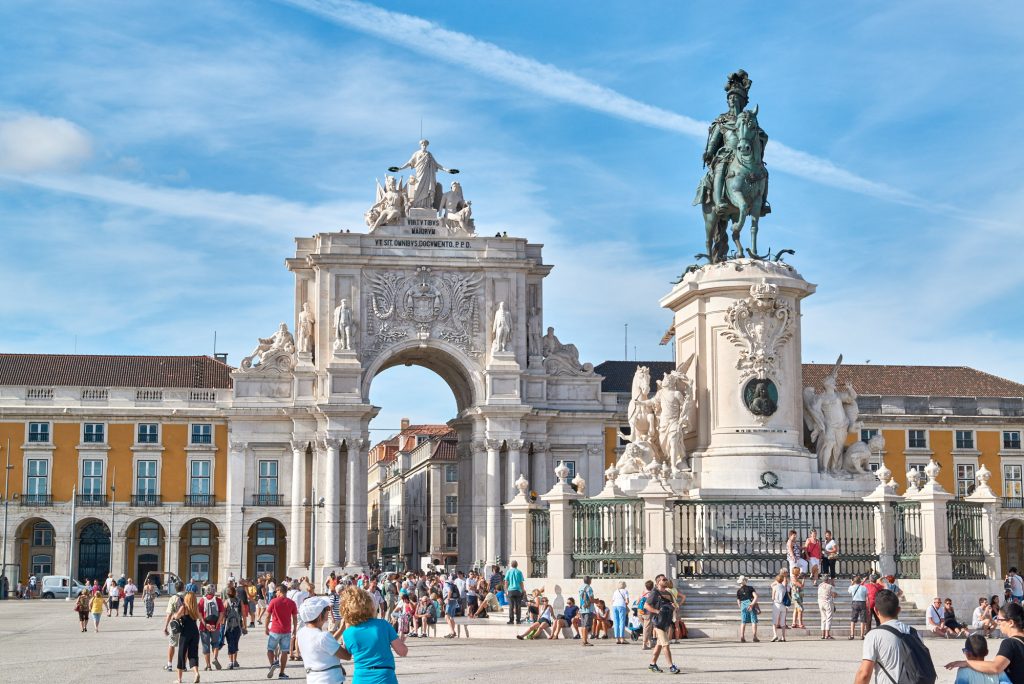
907,520
716,539
608,539
966,539
540,524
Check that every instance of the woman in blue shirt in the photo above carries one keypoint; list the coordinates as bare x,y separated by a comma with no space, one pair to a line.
369,640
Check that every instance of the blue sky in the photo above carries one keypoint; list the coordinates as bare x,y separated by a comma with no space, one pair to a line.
156,162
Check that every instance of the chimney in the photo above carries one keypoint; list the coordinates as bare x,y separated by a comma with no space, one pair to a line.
221,356
405,423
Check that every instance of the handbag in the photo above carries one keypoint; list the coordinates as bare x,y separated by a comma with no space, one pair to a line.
175,626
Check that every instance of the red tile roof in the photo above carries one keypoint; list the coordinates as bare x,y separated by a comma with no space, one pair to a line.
934,381
201,372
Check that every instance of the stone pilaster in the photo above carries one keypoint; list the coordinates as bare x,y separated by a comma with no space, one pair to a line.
297,533
521,531
492,544
559,501
657,559
332,503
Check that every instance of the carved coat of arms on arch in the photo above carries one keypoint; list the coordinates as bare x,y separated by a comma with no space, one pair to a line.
423,304
759,325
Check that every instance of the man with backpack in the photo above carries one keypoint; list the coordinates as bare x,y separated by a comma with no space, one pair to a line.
172,627
211,612
662,610
894,652
586,603
451,603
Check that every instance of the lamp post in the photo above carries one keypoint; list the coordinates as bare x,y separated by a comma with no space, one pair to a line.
71,549
241,551
4,582
317,503
113,492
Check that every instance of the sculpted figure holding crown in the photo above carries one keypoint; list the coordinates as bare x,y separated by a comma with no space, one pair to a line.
427,192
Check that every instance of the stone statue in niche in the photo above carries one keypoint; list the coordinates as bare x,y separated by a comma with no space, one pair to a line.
427,193
277,351
562,359
456,212
831,416
306,328
344,327
389,208
502,329
533,336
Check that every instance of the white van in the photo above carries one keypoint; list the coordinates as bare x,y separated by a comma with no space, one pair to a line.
56,586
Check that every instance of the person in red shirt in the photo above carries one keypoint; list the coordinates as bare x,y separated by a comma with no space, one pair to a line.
211,610
812,547
281,622
873,586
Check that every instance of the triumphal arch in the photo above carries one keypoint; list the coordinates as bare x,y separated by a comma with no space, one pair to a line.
419,284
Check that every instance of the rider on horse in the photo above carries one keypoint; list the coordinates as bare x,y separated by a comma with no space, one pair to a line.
721,146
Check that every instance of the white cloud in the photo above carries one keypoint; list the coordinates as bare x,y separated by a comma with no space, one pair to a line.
31,144
420,35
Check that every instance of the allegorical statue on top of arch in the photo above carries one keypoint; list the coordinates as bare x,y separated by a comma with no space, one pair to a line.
426,192
736,184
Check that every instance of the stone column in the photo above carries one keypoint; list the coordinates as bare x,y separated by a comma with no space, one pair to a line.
538,470
170,546
514,466
657,559
559,501
492,495
521,531
332,505
297,533
936,562
885,498
984,495
234,523
355,529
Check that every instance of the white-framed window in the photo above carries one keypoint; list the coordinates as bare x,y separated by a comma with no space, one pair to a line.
917,439
1013,482
148,433
266,533
202,433
867,433
149,533
571,465
199,533
873,467
199,566
964,439
451,505
38,480
451,473
94,433
1011,439
42,534
145,477
92,477
265,564
199,477
39,433
919,467
451,537
964,479
42,564
268,477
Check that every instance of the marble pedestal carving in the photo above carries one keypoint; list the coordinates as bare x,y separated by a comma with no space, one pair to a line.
742,320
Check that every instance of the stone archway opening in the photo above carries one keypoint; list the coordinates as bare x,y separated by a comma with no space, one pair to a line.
199,544
267,544
93,542
1011,544
145,546
34,548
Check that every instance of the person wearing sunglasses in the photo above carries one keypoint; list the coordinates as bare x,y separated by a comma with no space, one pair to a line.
1010,658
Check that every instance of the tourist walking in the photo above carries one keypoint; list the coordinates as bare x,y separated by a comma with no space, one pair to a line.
234,624
586,603
281,622
82,608
372,642
1010,656
321,652
211,608
451,607
188,642
1015,584
129,591
812,547
662,611
514,591
886,648
113,599
830,552
780,604
173,632
149,598
796,593
620,612
872,585
746,601
826,605
96,610
858,606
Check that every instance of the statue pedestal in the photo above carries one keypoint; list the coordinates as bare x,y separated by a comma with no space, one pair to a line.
741,319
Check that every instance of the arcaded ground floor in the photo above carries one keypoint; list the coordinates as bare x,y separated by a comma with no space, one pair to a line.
40,642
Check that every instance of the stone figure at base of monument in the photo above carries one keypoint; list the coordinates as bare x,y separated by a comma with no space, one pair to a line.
562,359
279,347
501,329
344,327
456,212
672,405
831,416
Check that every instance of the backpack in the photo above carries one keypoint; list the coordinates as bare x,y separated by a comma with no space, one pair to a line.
786,599
233,614
211,611
917,660
666,612
586,600
453,592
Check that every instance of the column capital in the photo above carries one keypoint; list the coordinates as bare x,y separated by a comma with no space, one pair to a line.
514,444
538,447
479,445
332,443
493,444
238,446
299,444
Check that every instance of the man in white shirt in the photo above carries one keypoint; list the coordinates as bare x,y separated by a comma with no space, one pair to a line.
936,618
982,618
460,582
1016,585
107,583
883,654
129,597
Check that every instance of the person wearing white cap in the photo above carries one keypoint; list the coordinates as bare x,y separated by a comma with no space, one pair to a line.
321,652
